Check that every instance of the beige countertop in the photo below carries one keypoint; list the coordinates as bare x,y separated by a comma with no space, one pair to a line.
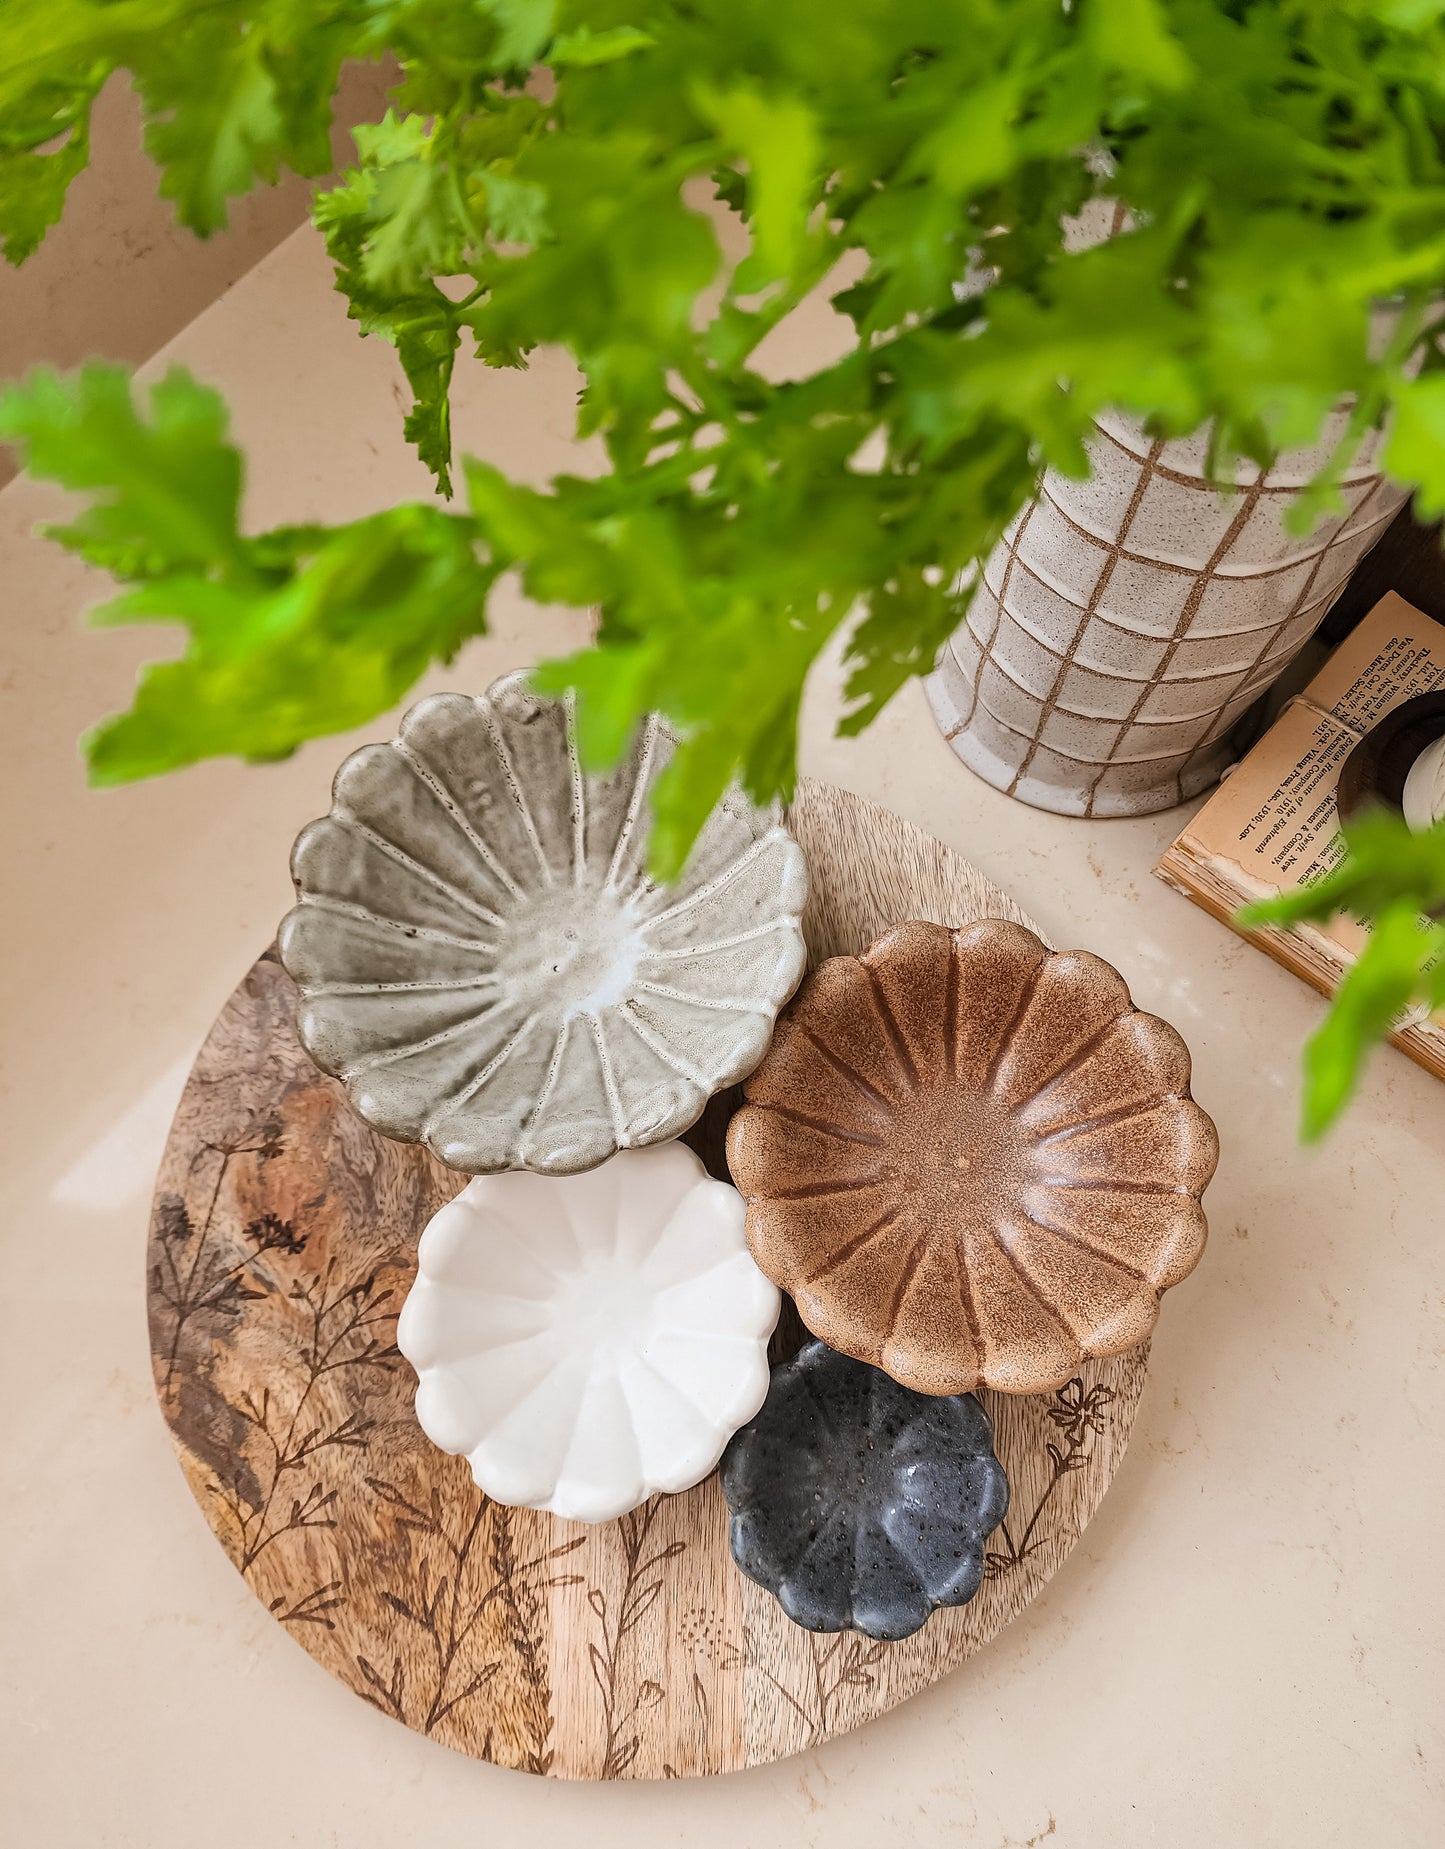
1245,1648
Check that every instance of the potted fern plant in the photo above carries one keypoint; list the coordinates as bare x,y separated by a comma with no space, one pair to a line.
541,176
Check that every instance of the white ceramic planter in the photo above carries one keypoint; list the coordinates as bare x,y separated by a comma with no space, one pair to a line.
1125,622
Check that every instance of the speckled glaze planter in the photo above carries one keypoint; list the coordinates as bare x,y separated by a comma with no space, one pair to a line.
857,1504
971,1160
486,965
1125,622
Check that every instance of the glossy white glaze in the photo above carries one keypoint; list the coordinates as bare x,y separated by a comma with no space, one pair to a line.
587,1341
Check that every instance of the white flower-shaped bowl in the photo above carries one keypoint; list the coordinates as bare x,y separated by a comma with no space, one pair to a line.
485,964
587,1341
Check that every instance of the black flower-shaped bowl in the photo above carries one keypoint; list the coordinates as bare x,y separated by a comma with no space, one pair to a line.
859,1504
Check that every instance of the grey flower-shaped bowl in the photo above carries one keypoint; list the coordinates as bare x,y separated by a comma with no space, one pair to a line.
859,1504
486,965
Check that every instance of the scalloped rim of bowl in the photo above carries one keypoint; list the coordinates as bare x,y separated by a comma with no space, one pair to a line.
450,974
589,1341
972,1160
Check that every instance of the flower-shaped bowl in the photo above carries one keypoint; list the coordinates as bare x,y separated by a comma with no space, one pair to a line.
485,964
587,1341
972,1160
858,1504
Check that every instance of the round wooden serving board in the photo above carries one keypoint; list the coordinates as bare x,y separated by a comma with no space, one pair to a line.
282,1245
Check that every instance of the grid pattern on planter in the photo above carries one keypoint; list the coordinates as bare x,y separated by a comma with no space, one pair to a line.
1126,621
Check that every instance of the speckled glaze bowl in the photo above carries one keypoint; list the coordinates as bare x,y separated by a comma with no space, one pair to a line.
587,1341
485,964
859,1505
973,1161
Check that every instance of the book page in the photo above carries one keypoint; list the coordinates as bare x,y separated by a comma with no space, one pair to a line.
1395,653
1273,823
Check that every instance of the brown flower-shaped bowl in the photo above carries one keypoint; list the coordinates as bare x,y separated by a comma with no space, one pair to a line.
972,1160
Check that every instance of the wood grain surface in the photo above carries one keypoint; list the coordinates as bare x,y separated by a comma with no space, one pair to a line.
282,1245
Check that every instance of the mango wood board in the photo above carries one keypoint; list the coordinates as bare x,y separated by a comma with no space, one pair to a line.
282,1245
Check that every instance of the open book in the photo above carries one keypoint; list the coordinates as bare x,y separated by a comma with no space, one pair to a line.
1272,823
